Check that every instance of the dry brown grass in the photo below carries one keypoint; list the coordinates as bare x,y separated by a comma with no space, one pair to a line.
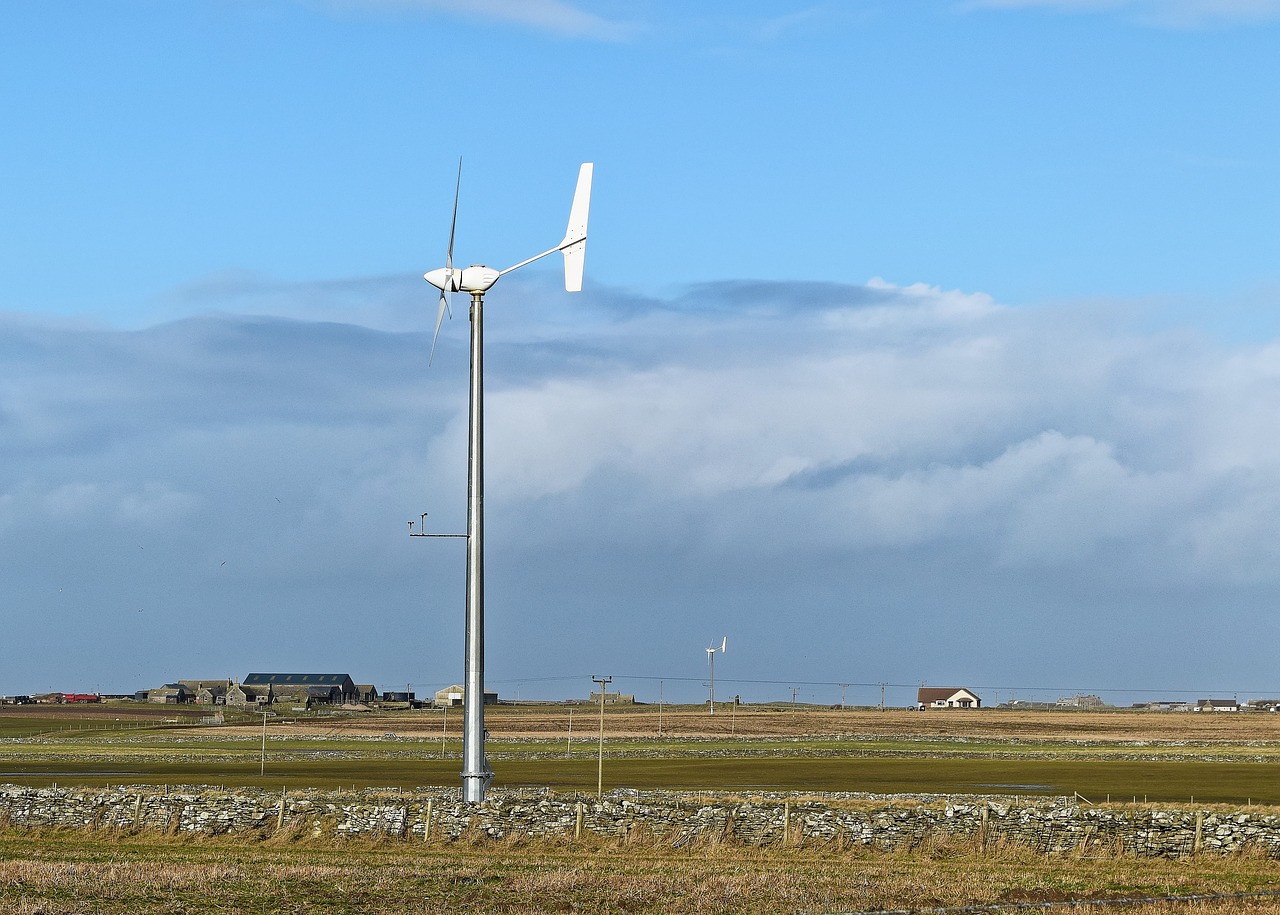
645,721
62,872
507,722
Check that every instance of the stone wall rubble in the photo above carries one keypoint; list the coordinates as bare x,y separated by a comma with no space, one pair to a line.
1052,826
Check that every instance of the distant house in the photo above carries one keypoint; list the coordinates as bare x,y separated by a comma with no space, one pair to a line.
1164,705
1217,705
366,692
303,689
946,697
208,692
212,695
241,696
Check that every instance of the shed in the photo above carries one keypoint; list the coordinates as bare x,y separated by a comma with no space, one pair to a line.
170,694
452,696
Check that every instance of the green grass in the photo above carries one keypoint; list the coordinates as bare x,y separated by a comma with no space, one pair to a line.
94,747
1095,779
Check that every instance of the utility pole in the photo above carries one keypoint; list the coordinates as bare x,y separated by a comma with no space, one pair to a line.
603,681
660,682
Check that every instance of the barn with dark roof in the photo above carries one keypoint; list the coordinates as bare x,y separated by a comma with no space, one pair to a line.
308,689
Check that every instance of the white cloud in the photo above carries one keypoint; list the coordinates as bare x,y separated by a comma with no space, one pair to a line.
553,16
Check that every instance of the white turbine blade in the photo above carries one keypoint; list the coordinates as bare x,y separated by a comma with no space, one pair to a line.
449,282
574,245
453,223
723,642
444,304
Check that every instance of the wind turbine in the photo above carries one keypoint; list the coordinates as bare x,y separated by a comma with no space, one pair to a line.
711,660
477,280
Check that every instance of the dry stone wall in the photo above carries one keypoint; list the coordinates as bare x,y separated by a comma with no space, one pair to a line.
1052,826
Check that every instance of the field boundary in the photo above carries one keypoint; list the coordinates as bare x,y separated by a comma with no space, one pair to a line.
1050,827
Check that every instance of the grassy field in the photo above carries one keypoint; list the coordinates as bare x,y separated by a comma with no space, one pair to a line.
1116,756
60,873
1220,759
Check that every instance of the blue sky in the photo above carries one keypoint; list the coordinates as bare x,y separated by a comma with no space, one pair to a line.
920,341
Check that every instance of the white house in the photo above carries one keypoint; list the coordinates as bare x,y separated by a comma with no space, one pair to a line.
1217,705
946,697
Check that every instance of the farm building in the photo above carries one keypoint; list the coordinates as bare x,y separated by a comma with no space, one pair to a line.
208,692
452,696
1080,701
242,696
302,689
617,698
946,697
171,694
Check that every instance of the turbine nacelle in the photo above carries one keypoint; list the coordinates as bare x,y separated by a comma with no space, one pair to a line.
476,278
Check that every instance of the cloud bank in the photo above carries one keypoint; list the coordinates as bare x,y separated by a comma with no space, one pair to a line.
857,483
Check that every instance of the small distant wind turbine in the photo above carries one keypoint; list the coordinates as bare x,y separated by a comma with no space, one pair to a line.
711,660
476,279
